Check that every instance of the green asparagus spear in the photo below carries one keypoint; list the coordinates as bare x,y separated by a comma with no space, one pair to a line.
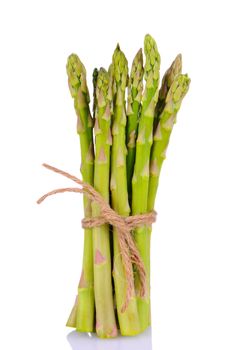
95,75
128,318
140,180
79,91
168,78
167,119
105,317
135,88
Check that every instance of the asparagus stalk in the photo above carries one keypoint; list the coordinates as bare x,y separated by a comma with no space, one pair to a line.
167,118
128,318
140,180
105,317
168,78
95,75
170,75
173,101
79,91
135,88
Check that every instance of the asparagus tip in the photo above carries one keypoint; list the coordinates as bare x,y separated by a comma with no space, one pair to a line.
152,57
179,57
120,68
136,75
177,64
179,88
138,57
95,74
76,75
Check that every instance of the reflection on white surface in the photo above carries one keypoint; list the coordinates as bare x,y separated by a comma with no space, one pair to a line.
80,341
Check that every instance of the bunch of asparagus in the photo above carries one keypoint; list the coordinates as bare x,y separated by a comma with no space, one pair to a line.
132,122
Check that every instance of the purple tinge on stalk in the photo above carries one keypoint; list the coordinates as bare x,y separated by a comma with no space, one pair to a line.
111,334
114,332
82,282
99,258
102,156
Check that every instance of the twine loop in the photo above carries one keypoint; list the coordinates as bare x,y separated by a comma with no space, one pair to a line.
122,227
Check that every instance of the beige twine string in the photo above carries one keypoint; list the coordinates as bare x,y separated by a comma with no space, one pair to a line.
123,225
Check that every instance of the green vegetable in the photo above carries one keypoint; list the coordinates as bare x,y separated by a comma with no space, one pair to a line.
105,316
167,119
95,75
132,134
168,78
140,181
135,89
128,319
79,91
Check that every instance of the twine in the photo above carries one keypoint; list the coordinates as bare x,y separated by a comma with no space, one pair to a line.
123,225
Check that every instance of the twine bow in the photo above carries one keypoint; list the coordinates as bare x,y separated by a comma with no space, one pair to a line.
123,227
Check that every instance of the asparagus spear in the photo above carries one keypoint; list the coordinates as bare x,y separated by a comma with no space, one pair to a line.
167,119
140,180
105,317
95,75
135,88
79,91
128,318
168,78
170,75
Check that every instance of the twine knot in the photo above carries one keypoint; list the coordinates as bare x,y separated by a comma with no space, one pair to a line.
123,227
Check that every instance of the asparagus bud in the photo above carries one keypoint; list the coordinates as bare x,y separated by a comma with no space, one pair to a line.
95,75
135,88
168,78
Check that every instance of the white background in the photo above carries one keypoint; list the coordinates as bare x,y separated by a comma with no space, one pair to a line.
41,246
